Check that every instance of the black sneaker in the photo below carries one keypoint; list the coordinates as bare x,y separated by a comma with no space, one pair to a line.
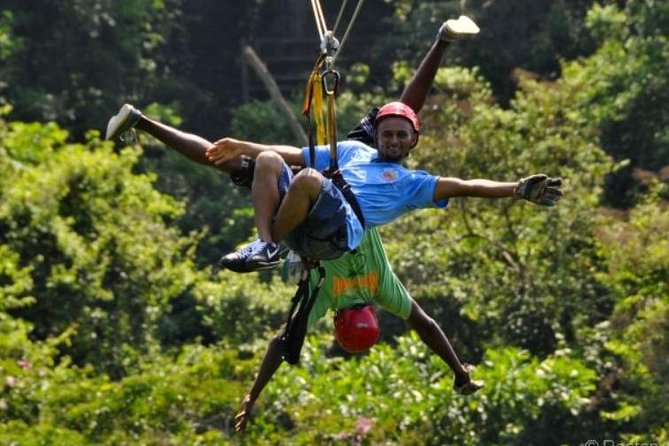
121,122
256,256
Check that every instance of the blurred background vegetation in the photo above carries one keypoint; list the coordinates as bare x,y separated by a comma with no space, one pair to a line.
115,328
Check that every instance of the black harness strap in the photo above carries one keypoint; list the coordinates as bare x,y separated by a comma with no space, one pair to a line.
345,188
295,331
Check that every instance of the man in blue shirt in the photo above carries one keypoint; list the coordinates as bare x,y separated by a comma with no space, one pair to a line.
319,222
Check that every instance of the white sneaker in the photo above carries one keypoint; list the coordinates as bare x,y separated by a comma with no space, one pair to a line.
453,29
121,122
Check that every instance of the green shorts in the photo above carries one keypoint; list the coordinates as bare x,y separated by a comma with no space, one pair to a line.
362,276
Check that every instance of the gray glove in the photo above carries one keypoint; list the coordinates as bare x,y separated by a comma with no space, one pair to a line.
540,189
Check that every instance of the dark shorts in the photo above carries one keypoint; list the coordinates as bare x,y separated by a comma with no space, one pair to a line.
323,235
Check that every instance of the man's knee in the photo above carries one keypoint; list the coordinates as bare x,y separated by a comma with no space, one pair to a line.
269,161
309,180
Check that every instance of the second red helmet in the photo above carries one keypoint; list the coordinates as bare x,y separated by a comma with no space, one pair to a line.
356,328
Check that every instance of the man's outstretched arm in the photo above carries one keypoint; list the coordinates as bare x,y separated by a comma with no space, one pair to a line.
227,149
539,189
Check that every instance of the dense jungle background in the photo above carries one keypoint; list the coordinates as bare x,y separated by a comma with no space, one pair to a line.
116,327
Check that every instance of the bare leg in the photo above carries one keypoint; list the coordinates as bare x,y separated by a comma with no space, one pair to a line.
265,192
435,338
301,195
417,89
188,144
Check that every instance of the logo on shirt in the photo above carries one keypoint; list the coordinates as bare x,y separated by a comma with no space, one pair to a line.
389,175
369,281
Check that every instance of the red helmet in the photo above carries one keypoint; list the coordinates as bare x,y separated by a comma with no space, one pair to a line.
356,328
400,110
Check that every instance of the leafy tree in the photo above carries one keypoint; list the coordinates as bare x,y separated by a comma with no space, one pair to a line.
402,395
90,240
635,343
50,79
629,90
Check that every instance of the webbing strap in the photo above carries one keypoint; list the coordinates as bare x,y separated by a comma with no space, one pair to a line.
295,331
338,180
312,108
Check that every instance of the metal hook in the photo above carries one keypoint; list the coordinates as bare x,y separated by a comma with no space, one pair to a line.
334,83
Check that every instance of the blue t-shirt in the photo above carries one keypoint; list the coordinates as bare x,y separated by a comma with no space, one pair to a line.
384,190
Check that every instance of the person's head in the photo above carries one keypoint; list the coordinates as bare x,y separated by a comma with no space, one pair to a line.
396,129
356,328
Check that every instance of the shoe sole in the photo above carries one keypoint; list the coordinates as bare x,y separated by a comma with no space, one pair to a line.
247,269
263,266
462,26
121,122
469,388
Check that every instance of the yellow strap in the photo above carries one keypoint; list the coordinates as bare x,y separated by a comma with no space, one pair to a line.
317,109
312,105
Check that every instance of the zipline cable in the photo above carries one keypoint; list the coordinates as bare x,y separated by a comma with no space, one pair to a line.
318,16
325,70
341,13
348,29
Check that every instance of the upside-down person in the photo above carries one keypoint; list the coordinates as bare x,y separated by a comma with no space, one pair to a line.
318,221
354,280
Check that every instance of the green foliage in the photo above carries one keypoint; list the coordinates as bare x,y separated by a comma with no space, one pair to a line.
357,400
94,240
260,121
215,208
113,329
637,256
627,91
51,80
8,45
249,311
167,401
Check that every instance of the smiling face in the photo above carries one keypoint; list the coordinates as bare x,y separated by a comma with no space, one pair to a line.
395,138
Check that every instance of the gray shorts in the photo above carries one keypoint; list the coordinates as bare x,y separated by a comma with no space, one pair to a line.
323,235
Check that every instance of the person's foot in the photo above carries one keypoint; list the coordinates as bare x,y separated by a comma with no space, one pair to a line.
454,29
464,385
121,122
256,256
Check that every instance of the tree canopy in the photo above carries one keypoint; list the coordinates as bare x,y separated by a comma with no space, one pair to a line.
116,328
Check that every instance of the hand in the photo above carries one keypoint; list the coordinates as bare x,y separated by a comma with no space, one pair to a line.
223,150
244,415
540,189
